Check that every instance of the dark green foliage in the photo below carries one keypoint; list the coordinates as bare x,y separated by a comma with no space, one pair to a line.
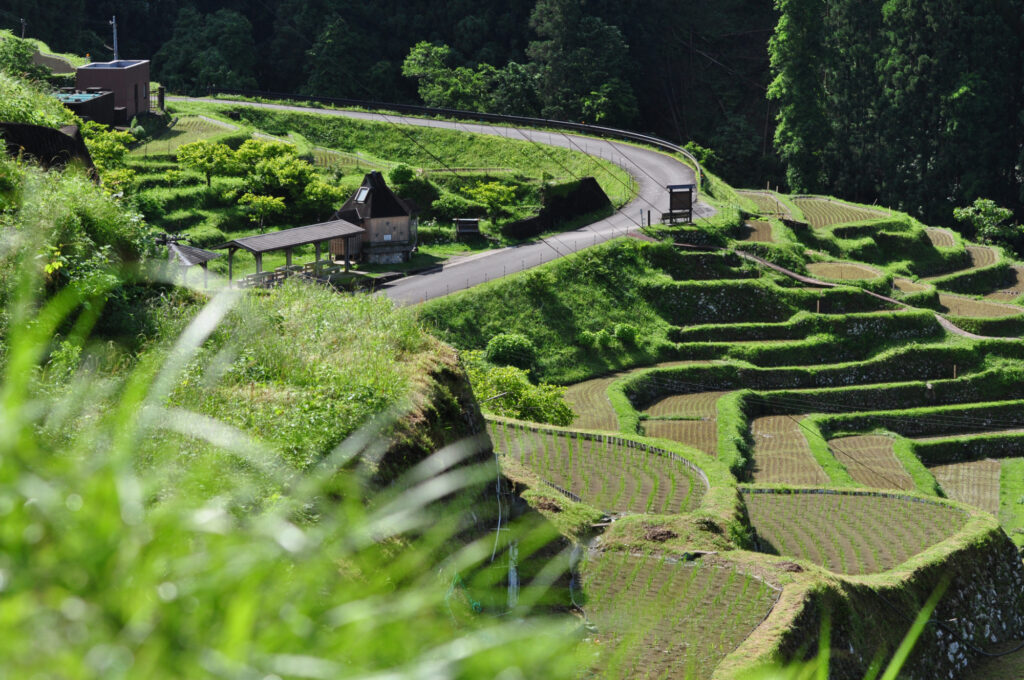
211,50
911,103
16,60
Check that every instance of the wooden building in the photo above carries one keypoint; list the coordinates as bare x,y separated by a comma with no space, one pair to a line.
389,224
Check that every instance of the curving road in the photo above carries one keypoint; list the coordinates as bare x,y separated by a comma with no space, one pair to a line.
652,171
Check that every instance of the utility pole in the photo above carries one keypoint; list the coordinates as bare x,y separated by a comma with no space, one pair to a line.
23,24
113,22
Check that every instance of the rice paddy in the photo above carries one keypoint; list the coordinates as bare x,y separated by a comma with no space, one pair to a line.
657,617
823,212
756,230
975,483
782,454
871,461
187,129
958,305
766,202
842,271
606,474
1013,290
849,533
908,286
940,238
589,401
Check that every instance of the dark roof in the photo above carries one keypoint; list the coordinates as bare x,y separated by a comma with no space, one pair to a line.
299,236
374,198
121,63
190,255
50,147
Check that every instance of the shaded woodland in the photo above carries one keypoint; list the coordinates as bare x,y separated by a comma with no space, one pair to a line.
914,104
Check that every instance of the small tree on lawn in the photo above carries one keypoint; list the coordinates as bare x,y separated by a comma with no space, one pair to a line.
495,196
261,207
207,157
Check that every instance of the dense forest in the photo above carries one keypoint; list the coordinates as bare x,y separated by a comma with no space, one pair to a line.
914,104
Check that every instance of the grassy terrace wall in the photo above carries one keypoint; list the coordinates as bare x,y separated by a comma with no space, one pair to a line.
893,242
969,447
896,326
928,421
984,604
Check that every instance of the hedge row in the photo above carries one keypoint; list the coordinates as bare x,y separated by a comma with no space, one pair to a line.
977,281
1003,326
683,303
971,447
897,325
929,421
907,363
989,385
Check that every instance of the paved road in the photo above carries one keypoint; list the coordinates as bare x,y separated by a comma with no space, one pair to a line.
651,169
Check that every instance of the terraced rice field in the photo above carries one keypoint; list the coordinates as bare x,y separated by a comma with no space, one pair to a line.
959,305
982,256
975,483
842,271
589,401
870,460
696,405
756,230
187,129
940,238
328,158
660,618
849,534
908,286
1015,289
781,452
606,475
766,202
700,434
821,212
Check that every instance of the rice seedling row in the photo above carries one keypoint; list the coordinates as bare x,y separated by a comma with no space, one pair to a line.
756,230
965,306
975,483
589,401
822,212
695,405
767,203
940,238
871,461
781,452
604,473
700,434
849,533
656,617
842,271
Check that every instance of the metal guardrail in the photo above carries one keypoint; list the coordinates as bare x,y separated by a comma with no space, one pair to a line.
598,130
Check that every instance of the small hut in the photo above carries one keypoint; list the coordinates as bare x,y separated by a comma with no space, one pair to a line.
389,222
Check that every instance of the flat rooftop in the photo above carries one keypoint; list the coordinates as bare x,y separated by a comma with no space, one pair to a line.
121,63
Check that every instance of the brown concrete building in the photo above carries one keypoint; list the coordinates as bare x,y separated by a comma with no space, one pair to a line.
128,79
389,222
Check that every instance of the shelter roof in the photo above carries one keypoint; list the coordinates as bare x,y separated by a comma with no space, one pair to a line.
190,255
290,238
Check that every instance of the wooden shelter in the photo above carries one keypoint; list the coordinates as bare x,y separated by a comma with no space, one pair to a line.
287,240
389,222
189,256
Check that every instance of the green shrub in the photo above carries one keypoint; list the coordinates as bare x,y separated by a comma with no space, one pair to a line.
512,349
507,391
206,235
448,207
